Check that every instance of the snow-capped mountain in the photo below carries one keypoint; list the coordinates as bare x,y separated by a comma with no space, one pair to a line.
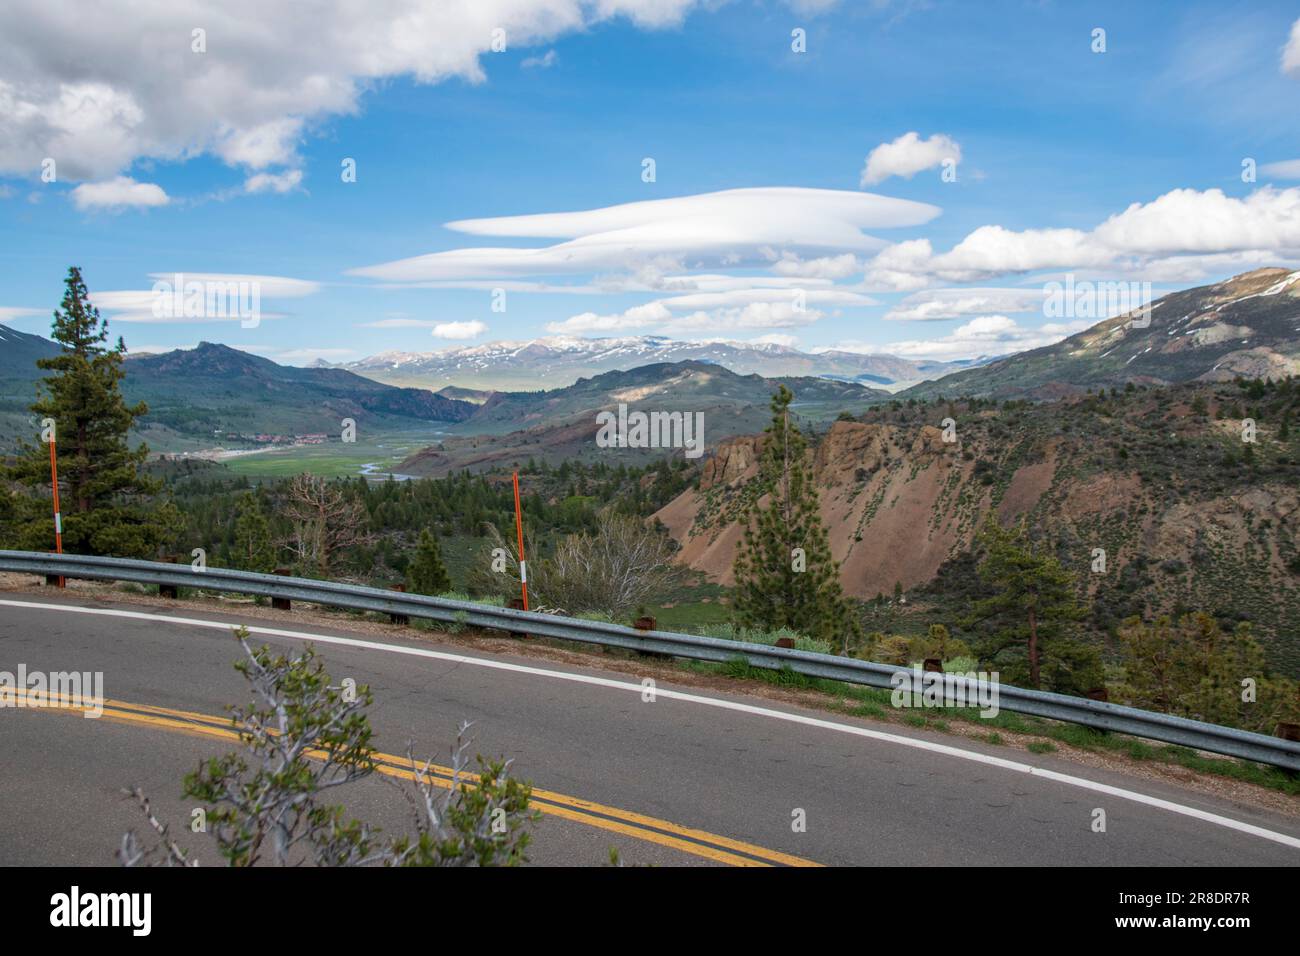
562,360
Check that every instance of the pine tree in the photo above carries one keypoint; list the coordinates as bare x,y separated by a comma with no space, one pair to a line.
427,574
104,495
1193,668
785,575
1033,611
254,550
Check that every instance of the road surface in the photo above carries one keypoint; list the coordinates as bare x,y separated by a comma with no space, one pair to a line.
688,777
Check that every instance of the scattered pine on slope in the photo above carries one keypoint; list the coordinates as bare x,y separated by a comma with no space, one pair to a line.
1189,516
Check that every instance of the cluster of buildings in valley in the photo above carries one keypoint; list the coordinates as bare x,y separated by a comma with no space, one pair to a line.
264,442
268,439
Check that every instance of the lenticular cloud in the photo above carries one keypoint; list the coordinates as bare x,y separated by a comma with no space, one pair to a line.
729,228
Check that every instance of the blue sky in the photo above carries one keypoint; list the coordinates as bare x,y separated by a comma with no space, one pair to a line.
227,162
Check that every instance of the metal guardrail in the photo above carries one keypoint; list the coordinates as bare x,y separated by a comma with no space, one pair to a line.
1076,710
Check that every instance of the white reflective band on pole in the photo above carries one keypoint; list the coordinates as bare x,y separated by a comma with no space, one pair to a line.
523,572
58,523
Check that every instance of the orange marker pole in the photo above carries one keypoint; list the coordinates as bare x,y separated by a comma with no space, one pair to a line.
519,530
58,517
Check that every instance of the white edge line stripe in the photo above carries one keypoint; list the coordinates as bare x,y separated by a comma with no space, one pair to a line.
945,749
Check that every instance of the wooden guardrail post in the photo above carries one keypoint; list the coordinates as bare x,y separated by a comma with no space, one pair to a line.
647,623
282,604
168,590
399,618
55,580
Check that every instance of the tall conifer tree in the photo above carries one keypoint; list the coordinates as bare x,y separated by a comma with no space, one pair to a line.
105,497
785,575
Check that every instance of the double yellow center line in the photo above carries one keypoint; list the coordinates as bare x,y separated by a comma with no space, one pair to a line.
698,843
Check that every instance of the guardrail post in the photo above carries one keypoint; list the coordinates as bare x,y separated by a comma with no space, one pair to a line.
517,604
55,580
399,618
168,590
282,604
647,623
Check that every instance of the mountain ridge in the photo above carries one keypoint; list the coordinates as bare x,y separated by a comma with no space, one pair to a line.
561,423
195,395
557,361
1247,325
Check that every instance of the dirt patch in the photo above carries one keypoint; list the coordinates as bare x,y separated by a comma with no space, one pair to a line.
1027,486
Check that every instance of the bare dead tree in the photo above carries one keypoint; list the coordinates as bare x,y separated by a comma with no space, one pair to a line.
325,522
626,562
623,564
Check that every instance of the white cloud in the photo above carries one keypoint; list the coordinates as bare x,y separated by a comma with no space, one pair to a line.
1185,220
1291,53
732,228
10,313
733,309
738,297
273,143
1286,169
707,282
269,287
97,89
826,267
273,182
458,330
758,315
1155,239
777,338
119,193
540,62
940,304
986,335
907,156
638,317
138,305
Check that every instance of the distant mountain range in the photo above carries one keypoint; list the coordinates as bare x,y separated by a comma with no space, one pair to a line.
209,394
215,386
18,376
1246,326
560,424
556,362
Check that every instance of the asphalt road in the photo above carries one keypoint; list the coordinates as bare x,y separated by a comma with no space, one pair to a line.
690,777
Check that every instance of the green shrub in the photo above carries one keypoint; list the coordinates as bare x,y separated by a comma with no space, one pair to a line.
729,632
